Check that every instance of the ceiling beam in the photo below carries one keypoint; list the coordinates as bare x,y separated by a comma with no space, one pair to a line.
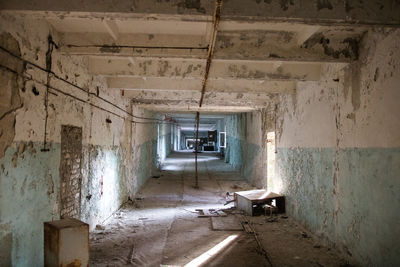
306,44
379,12
117,39
187,99
111,28
133,51
181,67
175,95
194,84
184,107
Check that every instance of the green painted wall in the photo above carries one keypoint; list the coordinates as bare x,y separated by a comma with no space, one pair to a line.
147,154
28,197
29,192
350,197
234,152
243,151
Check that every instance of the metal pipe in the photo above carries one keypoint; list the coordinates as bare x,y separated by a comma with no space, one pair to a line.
216,19
46,98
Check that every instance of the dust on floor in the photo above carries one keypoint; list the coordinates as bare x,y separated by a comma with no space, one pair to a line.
161,225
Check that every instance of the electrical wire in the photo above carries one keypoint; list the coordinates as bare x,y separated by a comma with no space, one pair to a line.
141,47
81,100
72,84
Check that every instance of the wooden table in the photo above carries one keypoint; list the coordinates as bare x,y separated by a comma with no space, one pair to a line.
246,200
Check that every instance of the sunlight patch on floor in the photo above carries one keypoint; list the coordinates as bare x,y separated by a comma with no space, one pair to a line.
203,258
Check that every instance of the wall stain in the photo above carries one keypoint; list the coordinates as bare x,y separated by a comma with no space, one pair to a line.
321,4
110,49
188,70
347,6
285,4
191,4
350,51
15,159
376,75
10,100
163,67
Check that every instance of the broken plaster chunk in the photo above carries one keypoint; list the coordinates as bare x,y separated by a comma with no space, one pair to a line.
21,148
100,227
15,159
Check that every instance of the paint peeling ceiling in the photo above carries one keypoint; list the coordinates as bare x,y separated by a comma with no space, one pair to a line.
156,55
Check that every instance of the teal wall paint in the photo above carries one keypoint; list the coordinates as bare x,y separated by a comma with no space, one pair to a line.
355,205
234,152
242,152
307,176
106,162
243,156
168,145
29,192
28,197
369,181
251,154
148,153
165,146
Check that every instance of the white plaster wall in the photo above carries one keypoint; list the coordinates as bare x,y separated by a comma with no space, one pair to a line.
111,151
364,100
338,152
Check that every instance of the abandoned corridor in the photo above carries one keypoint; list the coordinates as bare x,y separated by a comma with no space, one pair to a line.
100,102
161,225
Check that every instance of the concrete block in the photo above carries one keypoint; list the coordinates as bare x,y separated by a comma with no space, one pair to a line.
66,243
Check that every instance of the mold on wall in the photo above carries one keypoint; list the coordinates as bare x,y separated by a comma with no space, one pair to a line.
29,195
10,100
339,153
30,148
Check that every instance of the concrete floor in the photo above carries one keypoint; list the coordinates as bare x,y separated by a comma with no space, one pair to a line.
161,227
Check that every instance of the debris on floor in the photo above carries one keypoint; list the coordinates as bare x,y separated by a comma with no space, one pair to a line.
235,186
227,223
253,202
165,229
247,227
210,213
100,227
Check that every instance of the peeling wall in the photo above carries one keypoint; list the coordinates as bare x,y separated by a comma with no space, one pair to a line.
112,146
338,160
164,143
246,145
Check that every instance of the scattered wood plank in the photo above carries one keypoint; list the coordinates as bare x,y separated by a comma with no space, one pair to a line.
247,228
229,223
210,213
221,213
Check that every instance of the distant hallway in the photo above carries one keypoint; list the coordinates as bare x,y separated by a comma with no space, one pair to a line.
161,225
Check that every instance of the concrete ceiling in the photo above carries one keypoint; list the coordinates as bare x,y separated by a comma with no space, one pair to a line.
187,121
154,52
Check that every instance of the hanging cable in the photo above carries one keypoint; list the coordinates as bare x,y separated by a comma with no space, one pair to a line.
73,85
49,52
141,47
52,88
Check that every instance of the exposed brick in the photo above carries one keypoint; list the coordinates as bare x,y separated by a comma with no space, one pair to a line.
70,170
